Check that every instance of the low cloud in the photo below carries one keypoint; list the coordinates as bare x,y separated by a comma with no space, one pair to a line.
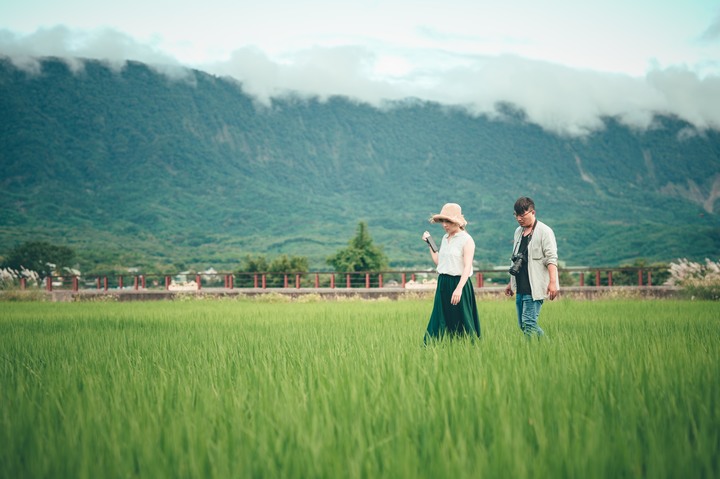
562,100
559,99
108,45
712,33
321,72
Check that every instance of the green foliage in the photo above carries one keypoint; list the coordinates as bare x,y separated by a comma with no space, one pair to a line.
254,264
698,281
566,279
132,169
286,264
275,270
659,274
704,289
361,255
41,257
14,295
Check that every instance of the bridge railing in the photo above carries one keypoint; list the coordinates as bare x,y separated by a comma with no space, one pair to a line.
582,277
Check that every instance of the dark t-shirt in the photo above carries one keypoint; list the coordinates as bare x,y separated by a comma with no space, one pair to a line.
523,280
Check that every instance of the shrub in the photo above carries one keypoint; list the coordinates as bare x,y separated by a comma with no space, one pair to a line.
700,281
10,278
18,295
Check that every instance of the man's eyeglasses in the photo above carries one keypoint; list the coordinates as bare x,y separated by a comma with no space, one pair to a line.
524,214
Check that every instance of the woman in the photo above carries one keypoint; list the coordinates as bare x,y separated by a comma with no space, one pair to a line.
455,310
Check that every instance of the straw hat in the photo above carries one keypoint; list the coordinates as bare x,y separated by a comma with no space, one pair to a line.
451,212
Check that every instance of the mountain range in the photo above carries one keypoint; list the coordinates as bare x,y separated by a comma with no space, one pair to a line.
134,167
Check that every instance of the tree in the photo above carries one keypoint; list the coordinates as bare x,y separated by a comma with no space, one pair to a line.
40,256
284,264
360,255
629,277
251,264
292,264
277,268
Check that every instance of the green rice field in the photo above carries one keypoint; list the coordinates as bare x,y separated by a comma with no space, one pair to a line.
346,389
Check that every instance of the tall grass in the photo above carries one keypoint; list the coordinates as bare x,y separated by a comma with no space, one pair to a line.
346,389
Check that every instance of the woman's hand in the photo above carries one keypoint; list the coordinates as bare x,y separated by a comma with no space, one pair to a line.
457,294
425,235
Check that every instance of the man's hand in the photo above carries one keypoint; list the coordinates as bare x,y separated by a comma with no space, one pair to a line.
508,290
552,290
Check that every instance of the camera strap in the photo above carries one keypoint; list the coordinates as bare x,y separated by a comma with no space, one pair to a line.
529,237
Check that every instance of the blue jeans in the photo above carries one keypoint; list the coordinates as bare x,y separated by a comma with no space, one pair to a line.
528,311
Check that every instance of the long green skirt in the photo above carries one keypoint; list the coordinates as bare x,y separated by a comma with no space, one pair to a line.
453,320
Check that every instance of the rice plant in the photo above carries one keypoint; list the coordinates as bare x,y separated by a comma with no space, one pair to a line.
243,388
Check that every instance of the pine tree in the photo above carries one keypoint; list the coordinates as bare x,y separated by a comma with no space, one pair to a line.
360,255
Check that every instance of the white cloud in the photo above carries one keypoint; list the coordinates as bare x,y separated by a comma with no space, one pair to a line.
712,33
559,98
108,45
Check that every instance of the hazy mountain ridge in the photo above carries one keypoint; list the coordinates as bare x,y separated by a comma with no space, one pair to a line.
136,168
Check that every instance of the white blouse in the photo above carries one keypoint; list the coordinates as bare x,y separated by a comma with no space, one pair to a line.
450,256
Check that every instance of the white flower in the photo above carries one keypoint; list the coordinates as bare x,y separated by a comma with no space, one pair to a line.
684,272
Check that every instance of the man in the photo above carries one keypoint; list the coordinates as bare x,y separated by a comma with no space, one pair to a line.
534,274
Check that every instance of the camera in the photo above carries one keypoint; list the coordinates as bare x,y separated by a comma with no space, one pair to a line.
429,240
517,263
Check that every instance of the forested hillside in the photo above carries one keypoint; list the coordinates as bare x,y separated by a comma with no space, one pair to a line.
133,168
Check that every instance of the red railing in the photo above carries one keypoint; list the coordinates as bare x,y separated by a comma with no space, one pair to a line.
583,277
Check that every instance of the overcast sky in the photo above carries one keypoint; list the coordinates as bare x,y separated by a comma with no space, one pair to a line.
566,62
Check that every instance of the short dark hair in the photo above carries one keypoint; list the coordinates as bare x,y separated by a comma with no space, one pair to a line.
524,204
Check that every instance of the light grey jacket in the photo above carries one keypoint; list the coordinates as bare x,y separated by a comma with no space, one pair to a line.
542,251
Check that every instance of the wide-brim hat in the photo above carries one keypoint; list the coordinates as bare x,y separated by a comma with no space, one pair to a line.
451,212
